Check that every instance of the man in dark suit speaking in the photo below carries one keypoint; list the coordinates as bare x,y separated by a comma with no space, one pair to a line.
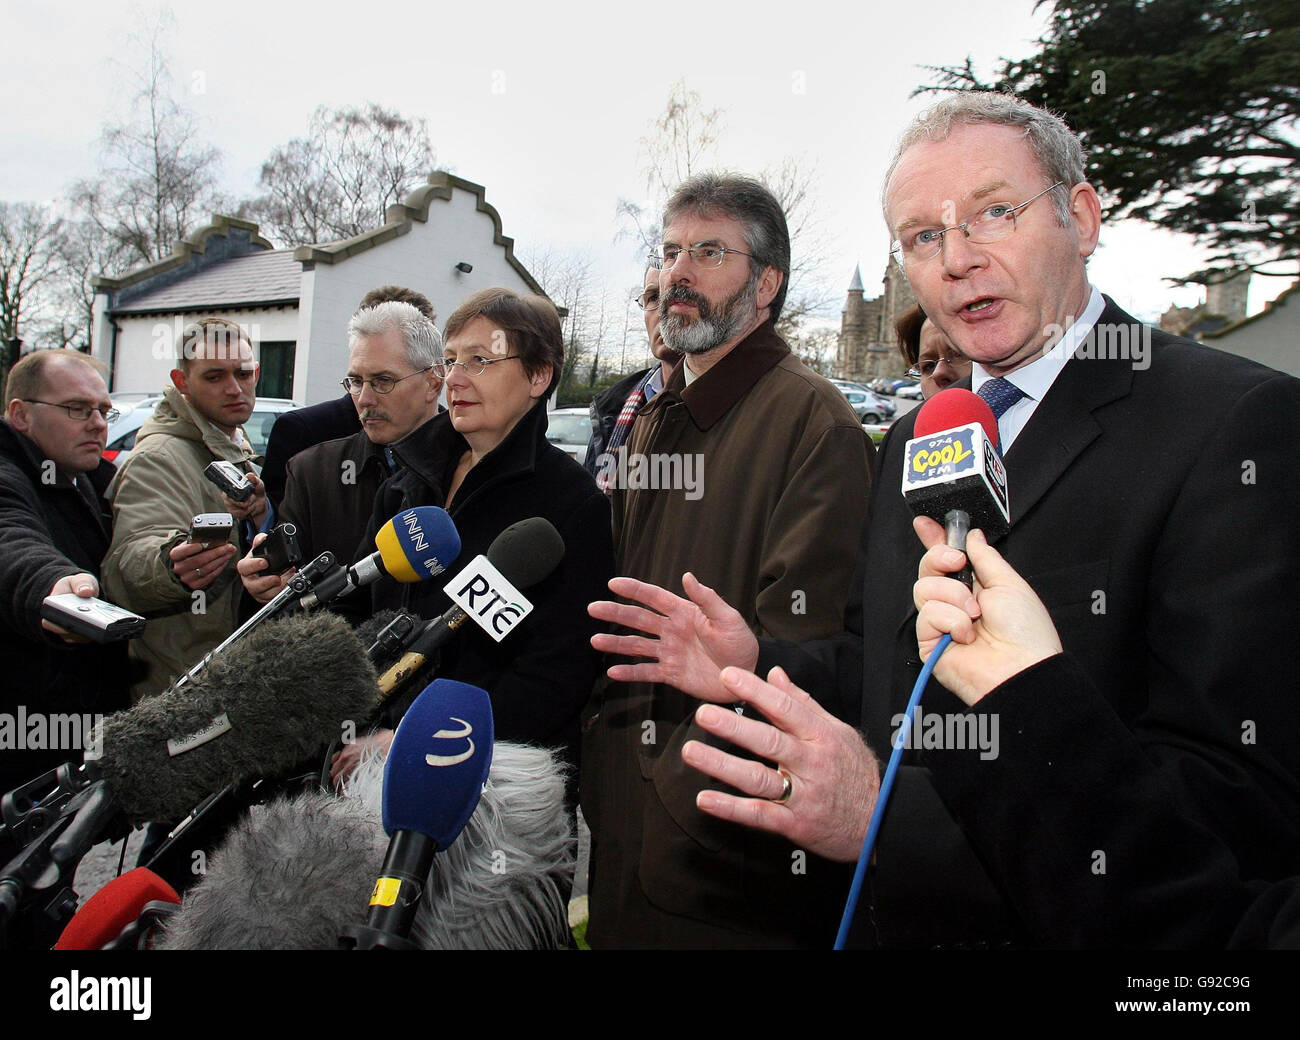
1154,487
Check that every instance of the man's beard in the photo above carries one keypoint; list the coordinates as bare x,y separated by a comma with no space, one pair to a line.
713,326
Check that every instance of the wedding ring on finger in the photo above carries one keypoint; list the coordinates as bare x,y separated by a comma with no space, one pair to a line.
787,787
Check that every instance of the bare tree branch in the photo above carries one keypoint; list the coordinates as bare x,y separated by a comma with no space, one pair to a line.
683,141
158,180
29,262
340,179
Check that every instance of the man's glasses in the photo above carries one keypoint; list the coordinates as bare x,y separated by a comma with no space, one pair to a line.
702,255
475,366
646,301
380,384
925,369
990,225
79,412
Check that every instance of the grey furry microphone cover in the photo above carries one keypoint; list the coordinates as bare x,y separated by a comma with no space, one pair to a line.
266,703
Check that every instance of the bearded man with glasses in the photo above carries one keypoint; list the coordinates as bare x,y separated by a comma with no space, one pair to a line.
55,527
780,492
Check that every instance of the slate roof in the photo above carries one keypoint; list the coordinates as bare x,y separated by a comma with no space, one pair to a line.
270,276
1269,308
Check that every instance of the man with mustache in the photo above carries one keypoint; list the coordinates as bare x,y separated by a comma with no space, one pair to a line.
302,428
330,488
779,474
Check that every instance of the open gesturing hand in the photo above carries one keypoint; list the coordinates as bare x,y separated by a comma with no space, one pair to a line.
689,641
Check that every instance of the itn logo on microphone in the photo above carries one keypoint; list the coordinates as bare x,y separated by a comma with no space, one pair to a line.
484,594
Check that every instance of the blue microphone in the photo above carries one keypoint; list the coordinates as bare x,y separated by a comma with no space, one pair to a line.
435,773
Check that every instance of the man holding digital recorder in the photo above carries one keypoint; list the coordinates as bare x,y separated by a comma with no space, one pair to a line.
55,529
172,559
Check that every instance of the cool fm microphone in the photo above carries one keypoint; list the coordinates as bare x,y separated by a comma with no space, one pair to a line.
434,777
952,468
952,473
415,545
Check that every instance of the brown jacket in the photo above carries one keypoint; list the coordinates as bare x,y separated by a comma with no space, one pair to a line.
772,477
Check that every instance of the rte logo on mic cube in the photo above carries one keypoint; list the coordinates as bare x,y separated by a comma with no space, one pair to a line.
493,602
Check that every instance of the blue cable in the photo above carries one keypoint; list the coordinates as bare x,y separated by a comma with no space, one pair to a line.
886,787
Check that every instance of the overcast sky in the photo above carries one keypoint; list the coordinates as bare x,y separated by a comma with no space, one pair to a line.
545,104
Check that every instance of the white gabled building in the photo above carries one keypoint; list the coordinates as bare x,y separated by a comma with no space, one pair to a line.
444,241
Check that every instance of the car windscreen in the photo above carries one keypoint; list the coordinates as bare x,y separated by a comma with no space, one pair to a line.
568,429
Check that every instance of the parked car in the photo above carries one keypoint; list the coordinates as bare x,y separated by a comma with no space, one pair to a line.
848,384
865,402
887,407
911,392
137,407
258,427
867,406
569,429
133,410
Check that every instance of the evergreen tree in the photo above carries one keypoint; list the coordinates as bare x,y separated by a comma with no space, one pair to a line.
1188,112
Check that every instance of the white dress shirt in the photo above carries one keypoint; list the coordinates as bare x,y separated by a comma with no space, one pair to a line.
1037,377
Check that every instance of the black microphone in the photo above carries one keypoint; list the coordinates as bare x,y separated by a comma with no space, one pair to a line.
523,554
415,545
388,633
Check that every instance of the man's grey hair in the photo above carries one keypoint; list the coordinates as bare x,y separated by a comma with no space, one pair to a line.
767,236
1053,144
421,336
